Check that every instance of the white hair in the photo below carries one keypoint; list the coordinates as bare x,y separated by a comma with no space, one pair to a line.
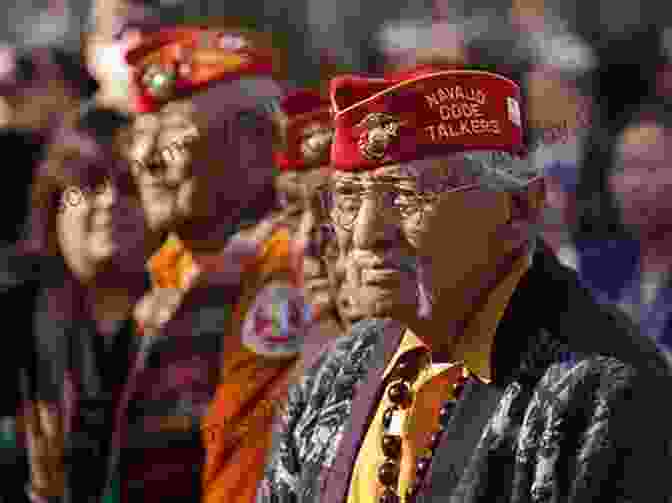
501,171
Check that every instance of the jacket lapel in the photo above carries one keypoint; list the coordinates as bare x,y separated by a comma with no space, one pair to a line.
457,446
363,408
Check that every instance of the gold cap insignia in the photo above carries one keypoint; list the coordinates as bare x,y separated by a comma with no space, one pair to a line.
316,141
381,130
159,81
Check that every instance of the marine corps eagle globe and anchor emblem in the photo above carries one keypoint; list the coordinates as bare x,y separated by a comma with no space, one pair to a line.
381,130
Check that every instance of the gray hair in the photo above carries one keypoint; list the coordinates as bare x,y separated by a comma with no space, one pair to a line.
501,171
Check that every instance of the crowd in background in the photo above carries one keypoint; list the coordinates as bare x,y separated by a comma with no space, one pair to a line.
206,299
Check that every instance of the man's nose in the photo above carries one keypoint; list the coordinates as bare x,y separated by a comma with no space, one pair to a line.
142,156
317,142
376,225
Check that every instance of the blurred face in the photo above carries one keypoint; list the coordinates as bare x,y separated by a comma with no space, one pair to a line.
297,188
642,181
105,60
161,157
292,196
101,226
118,28
378,218
34,99
199,161
311,239
558,212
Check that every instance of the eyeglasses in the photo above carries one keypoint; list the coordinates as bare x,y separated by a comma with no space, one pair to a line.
342,202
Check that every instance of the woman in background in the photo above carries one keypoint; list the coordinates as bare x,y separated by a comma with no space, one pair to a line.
87,220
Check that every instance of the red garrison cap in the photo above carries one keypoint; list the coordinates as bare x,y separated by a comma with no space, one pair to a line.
305,109
176,62
422,113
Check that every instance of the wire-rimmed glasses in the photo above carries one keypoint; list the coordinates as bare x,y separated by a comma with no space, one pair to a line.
342,201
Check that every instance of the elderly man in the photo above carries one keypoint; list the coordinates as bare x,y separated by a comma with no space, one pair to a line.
303,174
468,393
273,301
202,149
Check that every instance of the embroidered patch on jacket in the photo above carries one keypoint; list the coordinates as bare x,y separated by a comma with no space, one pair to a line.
276,324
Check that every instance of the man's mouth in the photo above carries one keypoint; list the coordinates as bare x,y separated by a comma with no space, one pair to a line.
277,338
274,338
315,283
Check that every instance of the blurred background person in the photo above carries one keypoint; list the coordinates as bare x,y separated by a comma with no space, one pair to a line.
36,88
86,216
608,250
114,27
304,173
450,326
38,85
559,213
640,186
202,155
559,162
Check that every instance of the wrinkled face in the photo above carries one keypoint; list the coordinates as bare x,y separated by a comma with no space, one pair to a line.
161,157
199,161
101,226
641,181
378,217
342,293
311,239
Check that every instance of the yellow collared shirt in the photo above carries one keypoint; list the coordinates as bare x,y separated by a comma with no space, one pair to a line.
433,386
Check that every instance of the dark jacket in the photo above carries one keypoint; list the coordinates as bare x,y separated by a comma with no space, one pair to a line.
131,419
19,286
563,420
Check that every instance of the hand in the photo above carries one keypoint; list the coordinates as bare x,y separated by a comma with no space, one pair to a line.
157,307
45,449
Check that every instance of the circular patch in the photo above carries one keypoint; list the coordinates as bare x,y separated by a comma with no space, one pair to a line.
276,324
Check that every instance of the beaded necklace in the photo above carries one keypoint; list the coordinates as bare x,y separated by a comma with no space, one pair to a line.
400,394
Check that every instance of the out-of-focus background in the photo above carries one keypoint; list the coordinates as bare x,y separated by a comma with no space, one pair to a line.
347,31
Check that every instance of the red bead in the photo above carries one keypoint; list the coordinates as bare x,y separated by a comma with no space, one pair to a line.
400,394
389,496
422,465
388,473
435,439
410,364
411,493
391,446
406,370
